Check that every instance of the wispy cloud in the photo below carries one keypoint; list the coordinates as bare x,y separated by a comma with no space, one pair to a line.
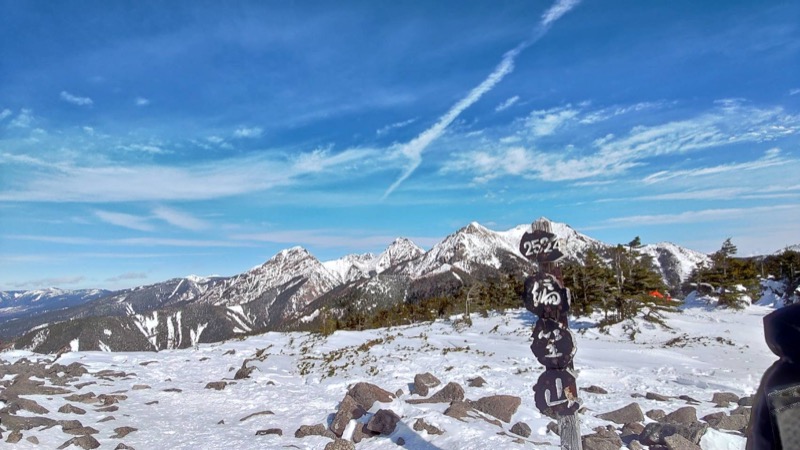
507,104
546,122
76,100
794,91
134,242
612,155
23,120
141,101
124,220
245,132
50,282
128,276
153,149
555,12
180,219
394,126
771,158
413,150
5,113
706,215
221,178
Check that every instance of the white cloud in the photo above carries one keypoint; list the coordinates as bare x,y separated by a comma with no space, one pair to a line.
124,220
153,149
794,91
245,132
771,158
75,100
48,282
507,104
141,101
215,139
5,113
329,239
88,130
180,219
220,178
136,242
128,276
707,215
611,155
546,122
558,9
394,126
23,120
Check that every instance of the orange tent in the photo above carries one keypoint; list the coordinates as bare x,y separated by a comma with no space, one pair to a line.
656,294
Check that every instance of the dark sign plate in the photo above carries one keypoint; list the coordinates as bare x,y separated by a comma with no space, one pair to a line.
541,246
556,393
553,344
546,297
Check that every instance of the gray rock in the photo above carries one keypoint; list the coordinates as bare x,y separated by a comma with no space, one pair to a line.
383,422
521,429
632,429
688,399
88,397
743,411
399,393
121,432
139,387
603,439
340,444
635,445
314,430
275,431
71,409
713,418
678,442
423,382
724,398
14,437
595,390
85,442
400,441
216,385
81,431
553,428
657,397
452,392
502,407
361,432
67,425
33,440
656,414
243,372
348,409
655,433
458,410
476,382
746,401
366,394
736,422
17,423
420,425
686,415
122,446
626,414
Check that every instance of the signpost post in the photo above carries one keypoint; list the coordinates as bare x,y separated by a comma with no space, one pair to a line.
556,390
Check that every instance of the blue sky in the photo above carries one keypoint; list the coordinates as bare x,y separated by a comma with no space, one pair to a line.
141,141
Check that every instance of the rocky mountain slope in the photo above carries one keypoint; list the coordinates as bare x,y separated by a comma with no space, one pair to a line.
294,289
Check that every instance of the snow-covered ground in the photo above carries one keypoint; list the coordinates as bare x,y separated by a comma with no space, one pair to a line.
301,378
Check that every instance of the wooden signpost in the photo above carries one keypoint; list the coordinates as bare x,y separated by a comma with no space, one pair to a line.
556,390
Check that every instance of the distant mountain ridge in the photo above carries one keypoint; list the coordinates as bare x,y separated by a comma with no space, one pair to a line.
293,287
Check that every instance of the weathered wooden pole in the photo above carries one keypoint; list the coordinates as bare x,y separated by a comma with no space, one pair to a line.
556,390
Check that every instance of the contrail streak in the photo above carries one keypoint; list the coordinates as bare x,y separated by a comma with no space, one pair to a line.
413,149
